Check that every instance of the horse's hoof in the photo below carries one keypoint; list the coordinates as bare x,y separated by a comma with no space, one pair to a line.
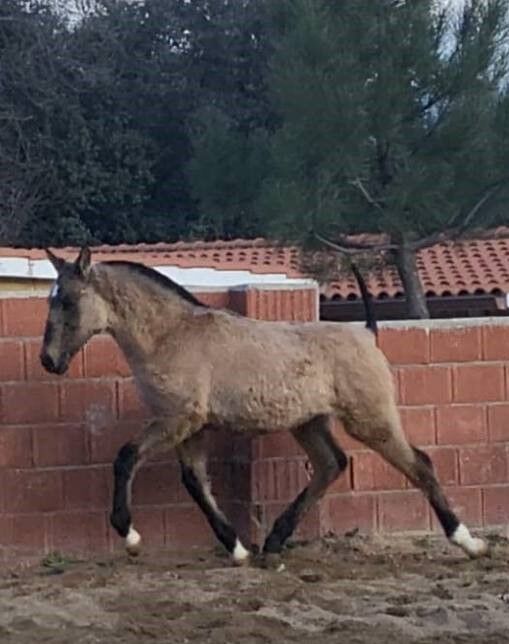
240,556
133,542
473,546
477,548
272,561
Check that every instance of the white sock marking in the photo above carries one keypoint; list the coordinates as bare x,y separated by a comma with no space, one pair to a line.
240,554
132,541
471,545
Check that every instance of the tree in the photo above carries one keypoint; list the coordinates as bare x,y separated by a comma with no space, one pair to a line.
66,157
394,122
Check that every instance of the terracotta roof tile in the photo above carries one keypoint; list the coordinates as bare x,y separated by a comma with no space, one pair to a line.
467,267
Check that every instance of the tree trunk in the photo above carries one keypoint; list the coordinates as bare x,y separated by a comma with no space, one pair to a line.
406,264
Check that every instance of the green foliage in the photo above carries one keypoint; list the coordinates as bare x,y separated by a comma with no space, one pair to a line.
226,173
96,114
392,116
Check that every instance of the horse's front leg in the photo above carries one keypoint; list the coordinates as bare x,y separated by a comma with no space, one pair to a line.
160,434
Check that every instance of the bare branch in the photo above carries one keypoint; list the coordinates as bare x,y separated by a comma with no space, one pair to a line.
459,224
346,246
360,186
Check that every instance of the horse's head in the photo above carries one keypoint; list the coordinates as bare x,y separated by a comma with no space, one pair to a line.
76,312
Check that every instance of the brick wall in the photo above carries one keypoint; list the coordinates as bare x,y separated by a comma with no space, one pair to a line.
58,437
453,388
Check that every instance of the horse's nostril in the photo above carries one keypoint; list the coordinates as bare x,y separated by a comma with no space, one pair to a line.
47,362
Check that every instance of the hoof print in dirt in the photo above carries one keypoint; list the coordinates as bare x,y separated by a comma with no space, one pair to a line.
310,576
271,561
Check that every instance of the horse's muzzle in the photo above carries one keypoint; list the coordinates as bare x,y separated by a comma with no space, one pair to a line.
49,364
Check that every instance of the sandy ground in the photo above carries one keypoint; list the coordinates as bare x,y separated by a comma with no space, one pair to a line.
351,589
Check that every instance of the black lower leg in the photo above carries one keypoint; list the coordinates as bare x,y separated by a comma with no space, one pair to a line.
222,529
430,486
285,525
120,516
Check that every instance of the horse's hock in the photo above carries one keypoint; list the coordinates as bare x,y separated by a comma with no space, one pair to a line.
59,436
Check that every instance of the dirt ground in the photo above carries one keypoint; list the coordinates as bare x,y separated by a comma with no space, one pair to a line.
353,589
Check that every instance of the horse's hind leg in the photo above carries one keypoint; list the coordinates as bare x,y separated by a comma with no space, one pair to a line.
193,463
390,442
328,461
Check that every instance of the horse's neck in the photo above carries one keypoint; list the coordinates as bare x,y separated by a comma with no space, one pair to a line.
139,312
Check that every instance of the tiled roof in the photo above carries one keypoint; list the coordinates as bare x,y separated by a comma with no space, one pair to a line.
467,267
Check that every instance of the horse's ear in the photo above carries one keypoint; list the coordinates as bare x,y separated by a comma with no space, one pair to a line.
83,262
57,262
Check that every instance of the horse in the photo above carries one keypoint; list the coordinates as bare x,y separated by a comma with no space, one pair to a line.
199,368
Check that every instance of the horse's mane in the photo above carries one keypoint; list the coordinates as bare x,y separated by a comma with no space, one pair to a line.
159,279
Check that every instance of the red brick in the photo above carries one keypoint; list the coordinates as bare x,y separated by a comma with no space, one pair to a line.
346,442
33,491
105,442
456,345
372,472
343,512
35,370
466,502
344,483
405,346
15,447
402,511
297,304
60,445
478,383
445,464
104,358
215,299
158,484
11,359
496,505
88,488
458,424
30,402
186,527
24,532
419,425
92,401
307,528
498,422
278,479
425,385
24,317
129,401
78,532
483,464
279,444
496,342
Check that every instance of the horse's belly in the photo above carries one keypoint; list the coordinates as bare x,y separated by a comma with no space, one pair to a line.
268,408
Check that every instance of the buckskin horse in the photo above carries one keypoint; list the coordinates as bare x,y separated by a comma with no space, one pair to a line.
199,368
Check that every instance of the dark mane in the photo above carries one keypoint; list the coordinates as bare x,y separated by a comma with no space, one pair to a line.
159,278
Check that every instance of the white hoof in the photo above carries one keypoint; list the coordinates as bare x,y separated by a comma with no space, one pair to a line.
473,546
240,555
133,542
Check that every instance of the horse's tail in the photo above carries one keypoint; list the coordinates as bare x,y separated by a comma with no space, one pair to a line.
367,300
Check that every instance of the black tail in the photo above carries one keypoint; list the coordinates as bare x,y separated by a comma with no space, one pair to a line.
371,323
